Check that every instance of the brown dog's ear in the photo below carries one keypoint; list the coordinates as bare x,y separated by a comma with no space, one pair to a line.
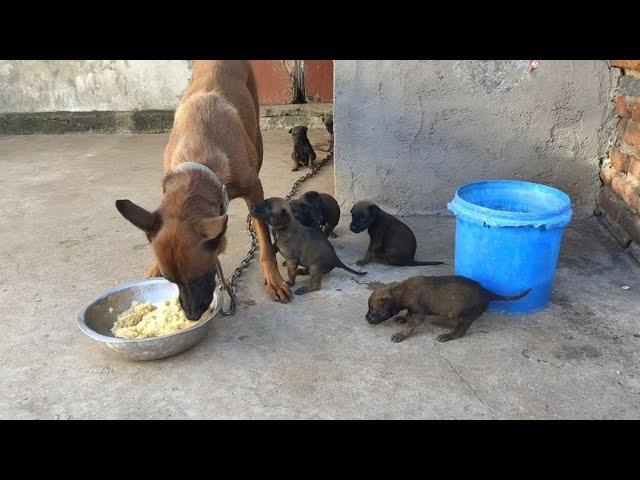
212,229
148,222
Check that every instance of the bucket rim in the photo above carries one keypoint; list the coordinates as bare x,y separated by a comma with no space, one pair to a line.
475,213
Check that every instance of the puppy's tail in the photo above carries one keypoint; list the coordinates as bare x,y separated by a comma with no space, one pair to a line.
416,263
342,265
502,298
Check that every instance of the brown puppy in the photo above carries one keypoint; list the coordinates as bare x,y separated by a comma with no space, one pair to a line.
299,245
454,297
318,211
327,119
215,142
391,241
303,153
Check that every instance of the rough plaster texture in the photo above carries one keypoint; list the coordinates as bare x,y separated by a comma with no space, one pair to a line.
64,243
86,85
409,133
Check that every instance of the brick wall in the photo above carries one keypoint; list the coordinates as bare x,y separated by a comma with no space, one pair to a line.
619,199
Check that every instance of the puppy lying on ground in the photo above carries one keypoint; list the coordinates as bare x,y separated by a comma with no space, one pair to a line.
318,211
303,153
299,245
392,242
327,119
453,297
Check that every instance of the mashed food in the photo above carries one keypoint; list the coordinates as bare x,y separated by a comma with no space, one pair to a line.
144,320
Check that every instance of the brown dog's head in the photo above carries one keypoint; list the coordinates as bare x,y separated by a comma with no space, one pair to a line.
299,133
273,211
186,250
363,214
308,210
382,305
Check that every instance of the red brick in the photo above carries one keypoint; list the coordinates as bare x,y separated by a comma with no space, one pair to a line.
621,107
627,64
619,161
626,190
633,107
634,168
609,202
632,135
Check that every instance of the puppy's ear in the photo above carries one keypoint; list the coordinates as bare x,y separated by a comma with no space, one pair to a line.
148,222
212,231
305,129
374,210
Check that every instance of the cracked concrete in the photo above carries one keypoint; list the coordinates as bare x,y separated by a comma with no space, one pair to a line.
63,243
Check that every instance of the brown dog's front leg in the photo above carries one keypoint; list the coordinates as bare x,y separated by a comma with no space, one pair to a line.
276,287
296,165
413,320
292,271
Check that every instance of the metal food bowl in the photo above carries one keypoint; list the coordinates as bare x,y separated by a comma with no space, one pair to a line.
96,320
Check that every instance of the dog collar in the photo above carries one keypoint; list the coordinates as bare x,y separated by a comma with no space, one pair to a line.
184,166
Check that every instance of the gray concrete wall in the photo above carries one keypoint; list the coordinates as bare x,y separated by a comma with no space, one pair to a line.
409,133
87,85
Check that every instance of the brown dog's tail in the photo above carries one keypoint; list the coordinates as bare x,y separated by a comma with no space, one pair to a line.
342,265
416,263
502,298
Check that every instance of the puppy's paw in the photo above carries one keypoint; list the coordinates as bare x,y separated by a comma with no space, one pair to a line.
361,262
333,235
445,337
301,291
291,283
398,337
295,169
400,319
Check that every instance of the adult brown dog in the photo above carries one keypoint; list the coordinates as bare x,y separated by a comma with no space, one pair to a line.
215,142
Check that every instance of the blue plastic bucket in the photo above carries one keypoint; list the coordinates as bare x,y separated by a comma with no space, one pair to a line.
508,237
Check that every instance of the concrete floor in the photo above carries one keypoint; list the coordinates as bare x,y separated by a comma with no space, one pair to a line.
63,243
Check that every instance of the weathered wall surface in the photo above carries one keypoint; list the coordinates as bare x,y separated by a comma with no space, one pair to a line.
87,85
619,200
407,134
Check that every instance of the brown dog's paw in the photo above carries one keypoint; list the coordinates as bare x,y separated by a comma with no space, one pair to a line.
400,319
398,337
445,337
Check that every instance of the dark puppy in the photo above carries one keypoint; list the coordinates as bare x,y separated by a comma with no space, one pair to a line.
327,119
453,297
318,211
392,242
303,153
299,245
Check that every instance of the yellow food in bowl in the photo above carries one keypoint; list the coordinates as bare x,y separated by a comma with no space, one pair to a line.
144,320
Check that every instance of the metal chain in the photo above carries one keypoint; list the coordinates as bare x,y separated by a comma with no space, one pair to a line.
230,286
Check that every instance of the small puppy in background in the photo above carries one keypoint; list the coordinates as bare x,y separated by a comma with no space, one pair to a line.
391,241
300,246
327,119
453,297
303,153
318,211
